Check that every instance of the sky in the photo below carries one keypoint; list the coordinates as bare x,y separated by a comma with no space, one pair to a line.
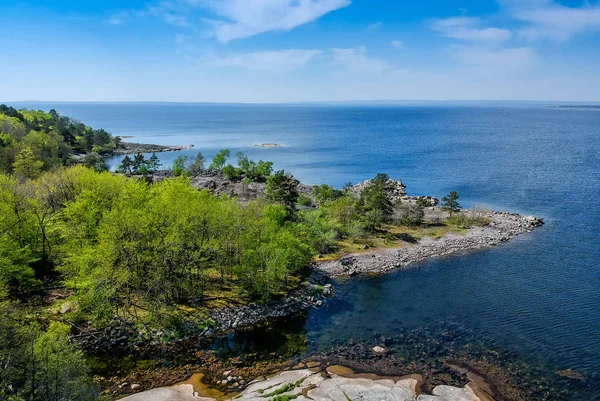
299,50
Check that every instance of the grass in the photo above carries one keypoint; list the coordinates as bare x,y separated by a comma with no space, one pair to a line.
396,236
283,389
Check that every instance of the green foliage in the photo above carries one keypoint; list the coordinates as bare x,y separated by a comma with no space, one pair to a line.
179,167
304,200
375,202
32,141
282,188
450,202
26,165
37,364
197,166
257,172
325,193
95,162
219,160
232,173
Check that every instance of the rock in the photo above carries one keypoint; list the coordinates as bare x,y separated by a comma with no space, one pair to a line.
365,246
226,373
379,350
135,386
66,307
327,290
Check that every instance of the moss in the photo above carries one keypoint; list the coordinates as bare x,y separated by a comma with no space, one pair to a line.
284,389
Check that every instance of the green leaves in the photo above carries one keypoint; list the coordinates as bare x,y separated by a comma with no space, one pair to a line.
450,202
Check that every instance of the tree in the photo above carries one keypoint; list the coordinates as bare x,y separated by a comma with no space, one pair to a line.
450,202
180,166
197,166
282,188
153,163
219,160
138,161
376,202
125,166
26,165
325,193
95,162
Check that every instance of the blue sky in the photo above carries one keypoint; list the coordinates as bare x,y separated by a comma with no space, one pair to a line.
299,50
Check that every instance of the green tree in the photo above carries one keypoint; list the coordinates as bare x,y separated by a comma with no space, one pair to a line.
325,193
219,160
197,166
282,188
450,202
376,202
61,370
180,166
95,162
138,162
125,166
154,163
26,165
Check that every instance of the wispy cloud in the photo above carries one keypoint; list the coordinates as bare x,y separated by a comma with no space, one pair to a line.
469,29
227,20
398,44
244,18
496,61
356,60
547,19
374,26
278,61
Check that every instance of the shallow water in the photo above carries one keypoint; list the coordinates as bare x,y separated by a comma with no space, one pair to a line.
537,296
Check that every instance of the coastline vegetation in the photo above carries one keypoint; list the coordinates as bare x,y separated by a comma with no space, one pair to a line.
156,254
33,141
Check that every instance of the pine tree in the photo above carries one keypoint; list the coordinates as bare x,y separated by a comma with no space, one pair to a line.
450,202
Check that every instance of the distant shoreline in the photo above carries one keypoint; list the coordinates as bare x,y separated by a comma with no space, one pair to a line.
131,147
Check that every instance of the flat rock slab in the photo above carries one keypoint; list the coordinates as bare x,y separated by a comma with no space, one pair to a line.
306,385
181,392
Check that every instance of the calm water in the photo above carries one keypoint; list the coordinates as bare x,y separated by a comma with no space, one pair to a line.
537,296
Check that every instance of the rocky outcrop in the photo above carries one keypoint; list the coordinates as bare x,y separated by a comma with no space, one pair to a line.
301,300
502,228
131,148
396,189
328,385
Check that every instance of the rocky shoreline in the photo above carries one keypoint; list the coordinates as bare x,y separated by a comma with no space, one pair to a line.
131,147
503,227
123,336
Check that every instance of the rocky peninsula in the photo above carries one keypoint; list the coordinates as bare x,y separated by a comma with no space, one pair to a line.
132,148
502,228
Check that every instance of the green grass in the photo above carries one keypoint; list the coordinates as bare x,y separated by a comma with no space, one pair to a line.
284,389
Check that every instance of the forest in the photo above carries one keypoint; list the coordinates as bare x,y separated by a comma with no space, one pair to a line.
152,253
33,141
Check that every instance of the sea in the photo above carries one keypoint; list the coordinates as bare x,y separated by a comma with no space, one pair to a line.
535,299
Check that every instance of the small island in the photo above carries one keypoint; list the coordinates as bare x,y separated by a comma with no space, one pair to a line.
268,145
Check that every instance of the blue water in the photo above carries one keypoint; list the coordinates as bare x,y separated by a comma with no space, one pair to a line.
538,295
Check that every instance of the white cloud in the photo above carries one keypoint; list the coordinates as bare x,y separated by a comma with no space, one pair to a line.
496,61
356,60
547,19
117,19
374,26
468,29
244,18
236,19
398,44
272,61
